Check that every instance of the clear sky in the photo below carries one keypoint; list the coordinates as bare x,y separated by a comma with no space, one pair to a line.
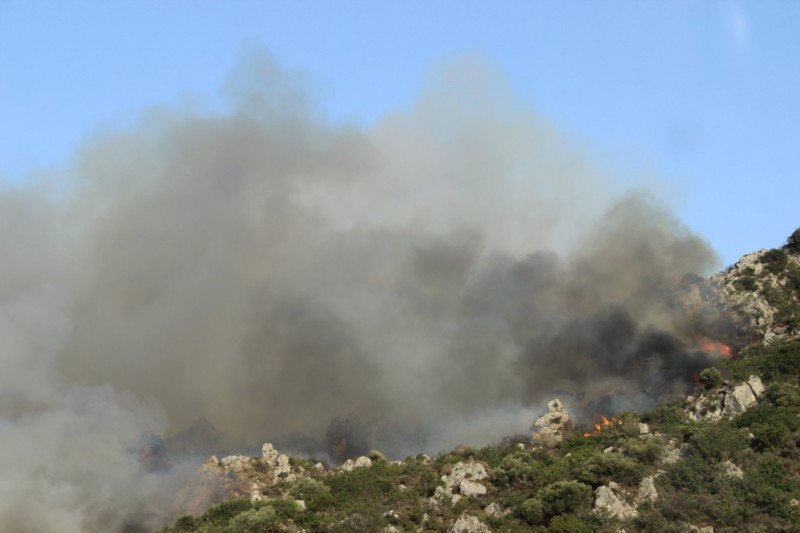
704,94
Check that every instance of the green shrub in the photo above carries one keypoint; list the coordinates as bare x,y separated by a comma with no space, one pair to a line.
357,523
793,242
315,494
746,280
285,508
527,468
778,360
769,424
568,523
531,511
604,467
225,511
774,260
769,487
645,451
669,417
185,523
254,520
693,475
710,378
717,441
564,497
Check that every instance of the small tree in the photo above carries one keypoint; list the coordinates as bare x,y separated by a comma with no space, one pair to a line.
710,377
793,242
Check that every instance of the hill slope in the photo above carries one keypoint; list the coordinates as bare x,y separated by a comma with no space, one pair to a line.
727,458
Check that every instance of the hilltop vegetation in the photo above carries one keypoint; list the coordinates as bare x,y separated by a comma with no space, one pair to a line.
729,474
727,458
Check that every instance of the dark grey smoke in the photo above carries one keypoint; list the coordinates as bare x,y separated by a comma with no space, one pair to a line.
438,275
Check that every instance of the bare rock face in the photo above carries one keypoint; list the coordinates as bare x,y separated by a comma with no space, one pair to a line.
729,401
234,476
671,454
469,524
739,400
471,488
607,499
548,430
462,481
360,462
740,289
647,490
269,454
729,469
495,510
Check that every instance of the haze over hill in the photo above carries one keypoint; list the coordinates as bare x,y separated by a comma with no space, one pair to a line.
429,281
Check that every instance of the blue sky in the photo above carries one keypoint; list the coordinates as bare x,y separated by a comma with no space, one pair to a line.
703,94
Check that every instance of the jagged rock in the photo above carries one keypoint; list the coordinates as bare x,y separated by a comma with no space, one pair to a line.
462,481
671,454
269,454
701,529
360,462
729,469
756,385
319,466
236,463
647,490
609,449
752,306
256,495
728,401
607,500
549,429
704,408
469,524
644,429
301,504
390,529
471,488
283,470
495,510
739,400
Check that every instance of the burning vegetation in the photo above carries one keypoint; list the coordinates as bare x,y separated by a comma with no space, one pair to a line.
601,425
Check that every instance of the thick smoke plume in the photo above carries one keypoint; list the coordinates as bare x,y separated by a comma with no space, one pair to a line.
439,275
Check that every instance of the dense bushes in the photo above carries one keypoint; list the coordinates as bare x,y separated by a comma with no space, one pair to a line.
553,490
793,242
605,467
718,441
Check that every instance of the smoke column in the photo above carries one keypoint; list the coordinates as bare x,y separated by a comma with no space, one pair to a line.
440,274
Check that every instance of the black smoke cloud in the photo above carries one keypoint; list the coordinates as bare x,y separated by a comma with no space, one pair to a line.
443,273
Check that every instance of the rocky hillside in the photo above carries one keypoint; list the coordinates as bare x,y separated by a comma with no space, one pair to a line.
726,458
763,288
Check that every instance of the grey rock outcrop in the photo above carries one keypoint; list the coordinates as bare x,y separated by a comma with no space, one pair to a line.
469,524
360,462
647,490
462,481
549,429
607,499
728,401
729,469
741,288
495,510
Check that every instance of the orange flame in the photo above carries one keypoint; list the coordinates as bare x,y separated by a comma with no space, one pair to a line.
716,347
598,426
